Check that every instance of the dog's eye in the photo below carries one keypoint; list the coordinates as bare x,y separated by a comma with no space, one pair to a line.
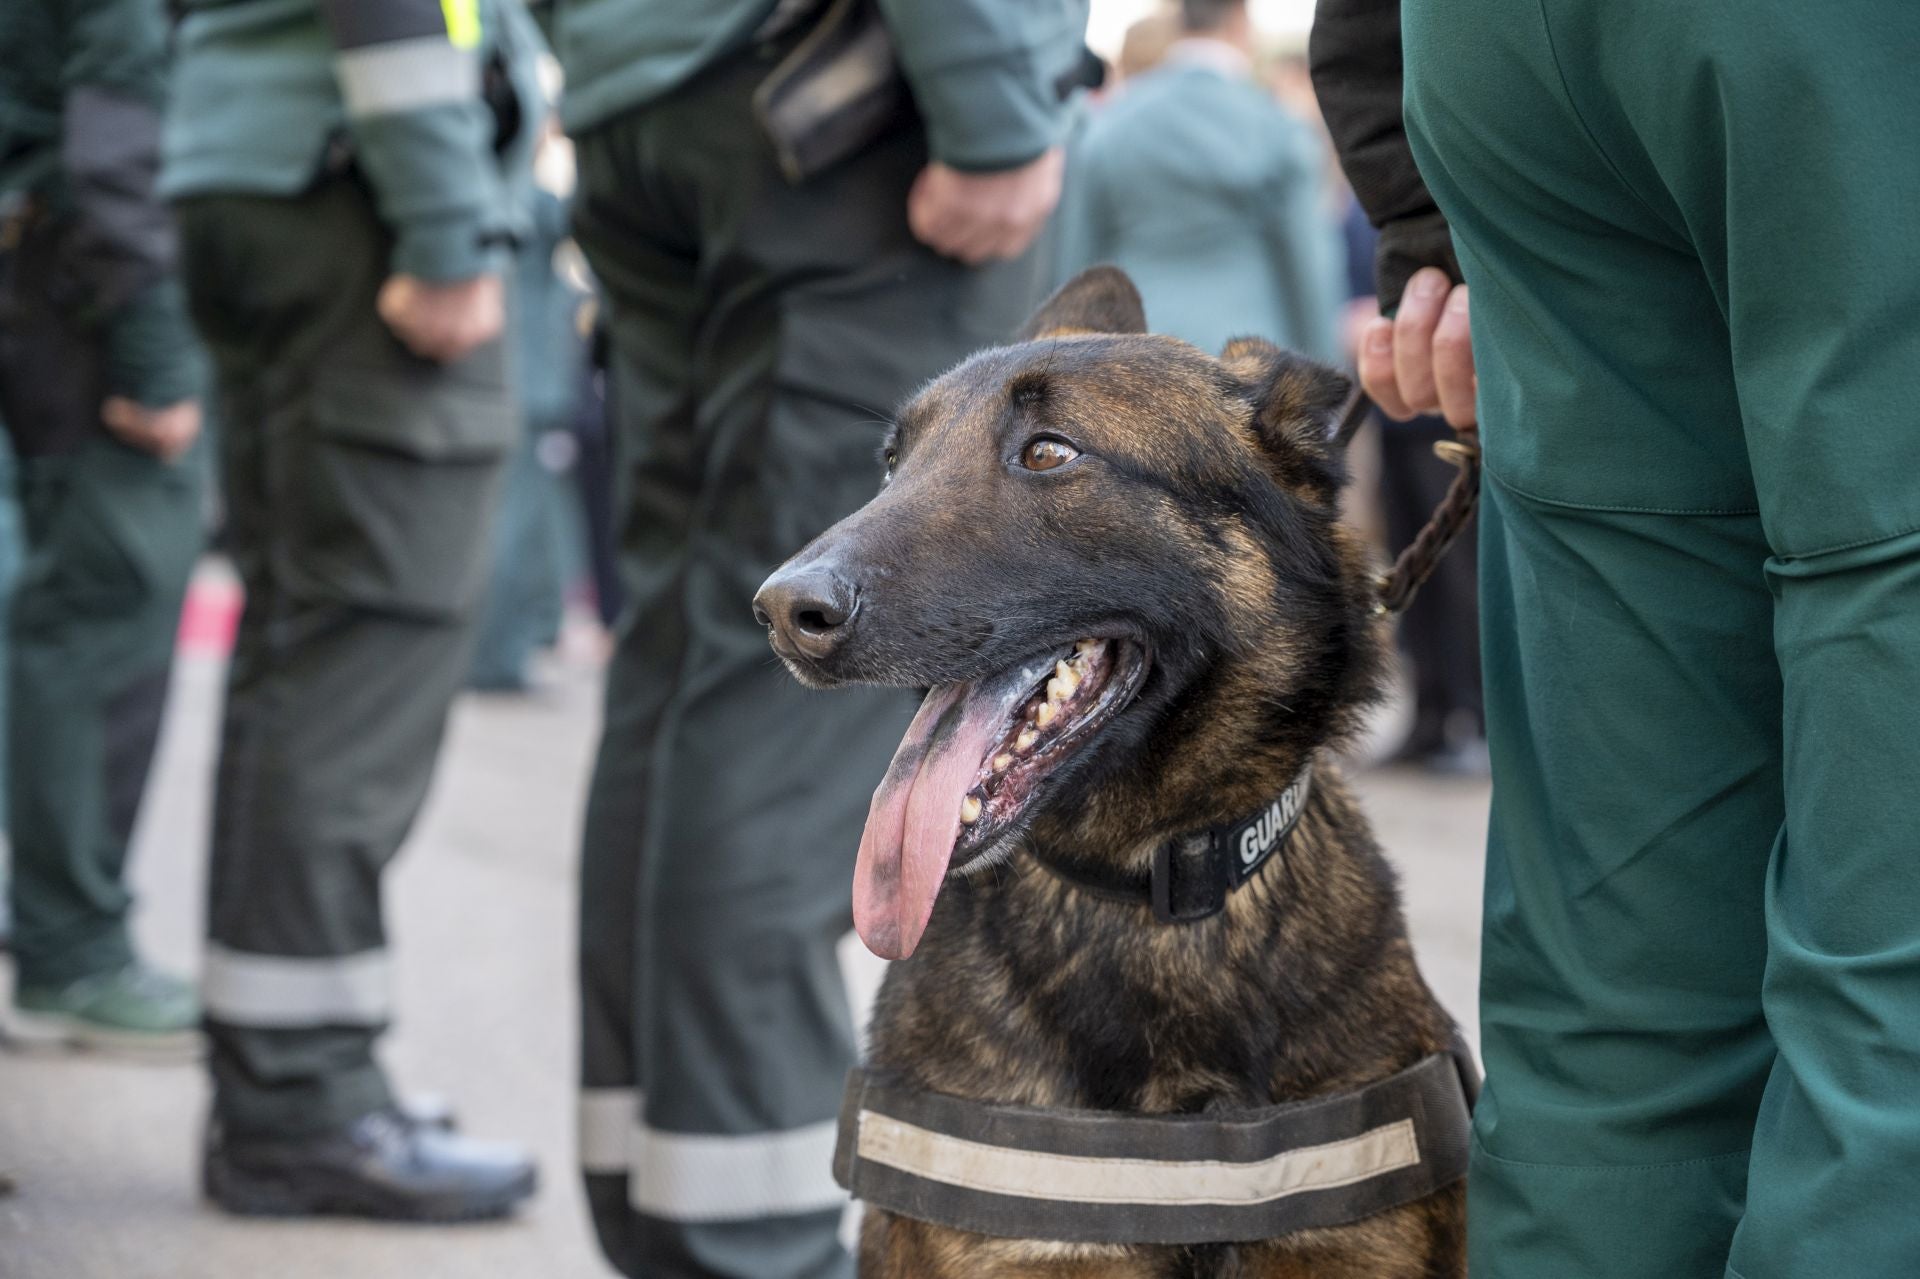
890,457
1046,452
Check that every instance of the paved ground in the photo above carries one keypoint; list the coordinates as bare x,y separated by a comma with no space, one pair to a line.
481,912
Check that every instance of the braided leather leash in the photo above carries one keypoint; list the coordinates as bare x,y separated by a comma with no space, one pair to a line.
1416,563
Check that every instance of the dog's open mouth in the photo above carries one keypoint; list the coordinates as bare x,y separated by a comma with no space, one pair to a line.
968,769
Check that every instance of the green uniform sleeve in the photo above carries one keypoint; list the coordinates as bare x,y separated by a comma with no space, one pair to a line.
410,74
986,74
112,71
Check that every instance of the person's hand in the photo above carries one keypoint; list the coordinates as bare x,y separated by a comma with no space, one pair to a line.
977,217
1421,361
166,432
443,321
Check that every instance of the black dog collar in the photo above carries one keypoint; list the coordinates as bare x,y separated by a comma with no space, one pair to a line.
1193,875
1089,1176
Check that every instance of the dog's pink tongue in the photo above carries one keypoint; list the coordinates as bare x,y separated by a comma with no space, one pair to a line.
915,817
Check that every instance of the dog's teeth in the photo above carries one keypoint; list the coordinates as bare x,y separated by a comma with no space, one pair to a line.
1086,645
969,810
1057,690
1067,676
1001,763
1025,741
1047,715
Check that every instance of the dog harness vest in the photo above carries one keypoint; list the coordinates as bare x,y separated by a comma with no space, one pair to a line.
1193,875
1091,1176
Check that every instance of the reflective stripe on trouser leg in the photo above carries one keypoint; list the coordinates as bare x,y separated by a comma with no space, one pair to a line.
287,992
705,1177
607,1129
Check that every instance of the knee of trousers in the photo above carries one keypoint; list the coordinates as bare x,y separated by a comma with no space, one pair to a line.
1673,1220
109,571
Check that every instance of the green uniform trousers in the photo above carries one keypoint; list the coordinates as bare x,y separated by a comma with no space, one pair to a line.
111,535
1696,313
761,335
359,482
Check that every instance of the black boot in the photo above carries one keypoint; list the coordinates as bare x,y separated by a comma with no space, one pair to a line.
383,1165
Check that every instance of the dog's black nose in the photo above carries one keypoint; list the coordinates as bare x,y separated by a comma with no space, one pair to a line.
808,609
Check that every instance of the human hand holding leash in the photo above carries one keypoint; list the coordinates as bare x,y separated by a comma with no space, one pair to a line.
443,321
979,217
1421,361
166,432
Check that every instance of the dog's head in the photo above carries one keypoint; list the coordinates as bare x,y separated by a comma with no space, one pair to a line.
1117,564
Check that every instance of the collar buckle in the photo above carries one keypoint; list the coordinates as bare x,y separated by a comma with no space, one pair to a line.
1191,880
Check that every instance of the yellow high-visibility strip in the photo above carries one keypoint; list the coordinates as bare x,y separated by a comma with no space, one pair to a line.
463,22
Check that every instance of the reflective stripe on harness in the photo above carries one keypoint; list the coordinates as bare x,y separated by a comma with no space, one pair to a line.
1086,1176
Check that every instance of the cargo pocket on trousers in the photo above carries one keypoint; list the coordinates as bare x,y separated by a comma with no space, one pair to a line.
393,482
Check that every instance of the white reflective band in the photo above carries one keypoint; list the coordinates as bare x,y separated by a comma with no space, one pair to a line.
406,75
684,1177
609,1123
280,992
1032,1174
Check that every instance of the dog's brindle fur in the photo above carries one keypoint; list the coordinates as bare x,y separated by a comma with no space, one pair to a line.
1201,520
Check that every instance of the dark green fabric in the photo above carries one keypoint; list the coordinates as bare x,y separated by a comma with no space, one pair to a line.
359,482
761,335
81,83
257,105
111,536
1694,285
983,72
12,553
50,47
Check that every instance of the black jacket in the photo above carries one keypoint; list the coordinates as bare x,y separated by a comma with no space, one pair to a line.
1355,54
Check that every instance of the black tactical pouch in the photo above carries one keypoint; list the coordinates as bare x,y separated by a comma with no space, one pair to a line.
835,92
52,367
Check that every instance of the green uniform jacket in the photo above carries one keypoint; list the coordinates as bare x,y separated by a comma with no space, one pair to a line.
1213,198
419,90
81,82
985,73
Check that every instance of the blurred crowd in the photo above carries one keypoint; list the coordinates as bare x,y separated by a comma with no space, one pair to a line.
453,345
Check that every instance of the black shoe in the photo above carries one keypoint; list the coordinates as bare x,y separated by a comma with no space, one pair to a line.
383,1165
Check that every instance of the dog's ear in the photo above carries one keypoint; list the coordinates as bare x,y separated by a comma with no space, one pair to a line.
1296,409
1101,299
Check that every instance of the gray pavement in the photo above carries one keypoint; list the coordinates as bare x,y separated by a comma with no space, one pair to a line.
481,913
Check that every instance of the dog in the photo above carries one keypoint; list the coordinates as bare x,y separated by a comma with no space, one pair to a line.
1117,564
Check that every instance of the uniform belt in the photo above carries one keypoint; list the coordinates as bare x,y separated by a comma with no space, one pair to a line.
1088,1176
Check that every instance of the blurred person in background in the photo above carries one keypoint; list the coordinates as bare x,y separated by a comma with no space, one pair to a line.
769,303
1439,633
100,378
536,535
1663,256
348,176
1199,185
1147,41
